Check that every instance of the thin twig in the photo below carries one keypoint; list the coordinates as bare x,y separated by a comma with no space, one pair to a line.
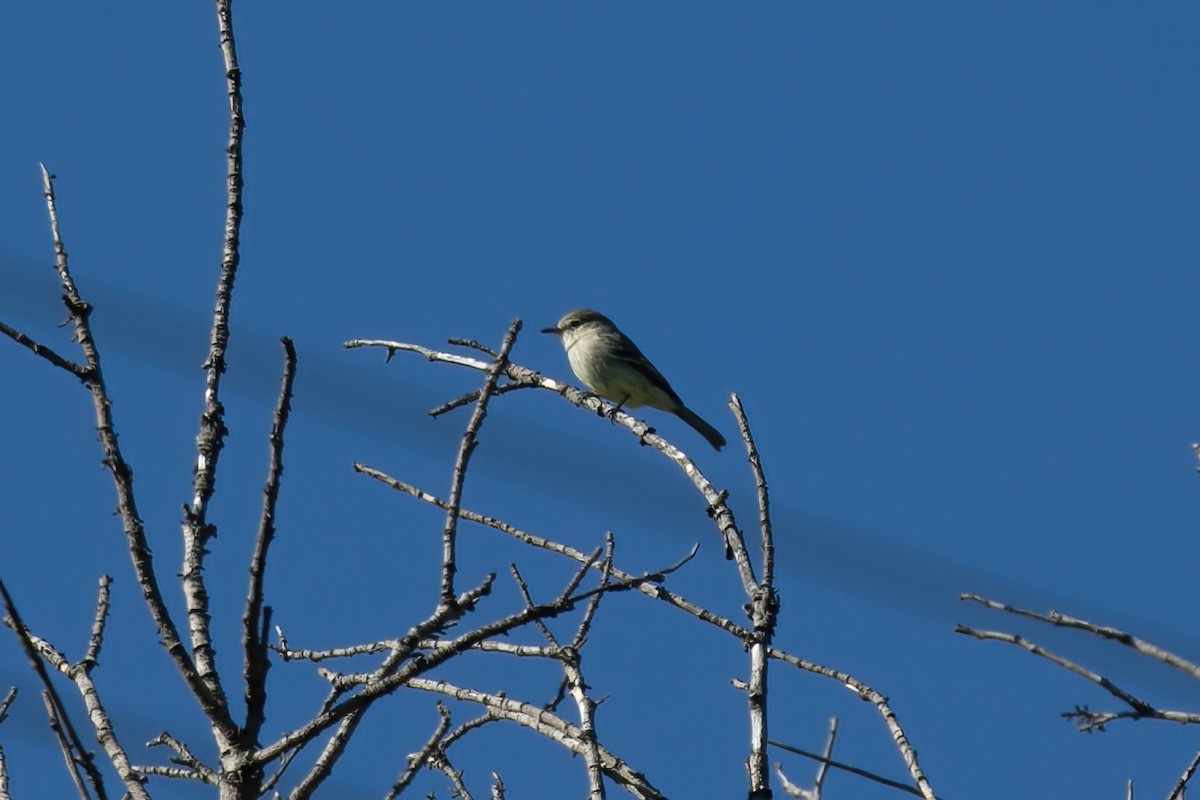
96,639
550,726
899,737
135,533
70,760
420,758
72,744
1087,720
763,611
466,447
606,568
471,397
45,352
185,758
384,682
6,703
648,588
822,770
474,345
1113,634
254,640
1177,793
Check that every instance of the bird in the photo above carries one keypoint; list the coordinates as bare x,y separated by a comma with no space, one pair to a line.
612,366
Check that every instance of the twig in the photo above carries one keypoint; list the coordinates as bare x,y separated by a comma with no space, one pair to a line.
899,737
184,757
1112,634
69,740
648,588
1087,720
474,345
606,567
385,681
96,639
135,533
550,726
823,770
6,703
4,706
254,637
523,588
4,795
442,762
471,397
70,759
1177,793
763,610
210,439
419,759
44,351
466,447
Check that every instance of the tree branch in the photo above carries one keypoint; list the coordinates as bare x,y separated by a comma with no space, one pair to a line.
255,661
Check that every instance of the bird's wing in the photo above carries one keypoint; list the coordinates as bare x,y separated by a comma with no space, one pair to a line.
628,352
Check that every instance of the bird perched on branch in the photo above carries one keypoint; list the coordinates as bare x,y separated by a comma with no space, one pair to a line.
612,366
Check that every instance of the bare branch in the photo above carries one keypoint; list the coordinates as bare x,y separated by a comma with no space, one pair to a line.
764,608
899,737
44,351
471,397
764,498
466,447
586,706
210,439
442,762
4,795
184,757
648,588
1087,720
7,702
419,759
255,662
1112,634
70,759
474,345
823,770
97,636
135,533
549,725
72,745
523,588
1177,793
606,567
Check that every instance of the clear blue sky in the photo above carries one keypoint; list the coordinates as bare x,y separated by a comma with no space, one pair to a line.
945,252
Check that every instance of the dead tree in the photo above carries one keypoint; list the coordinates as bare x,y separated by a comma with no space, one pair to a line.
463,618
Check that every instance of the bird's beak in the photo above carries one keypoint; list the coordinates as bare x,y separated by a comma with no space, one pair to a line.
555,331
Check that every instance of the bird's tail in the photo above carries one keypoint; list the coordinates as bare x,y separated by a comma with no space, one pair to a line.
710,433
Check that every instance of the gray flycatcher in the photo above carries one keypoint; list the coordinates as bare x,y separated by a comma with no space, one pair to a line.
612,366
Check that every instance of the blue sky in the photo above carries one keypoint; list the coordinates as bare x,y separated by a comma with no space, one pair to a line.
945,253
